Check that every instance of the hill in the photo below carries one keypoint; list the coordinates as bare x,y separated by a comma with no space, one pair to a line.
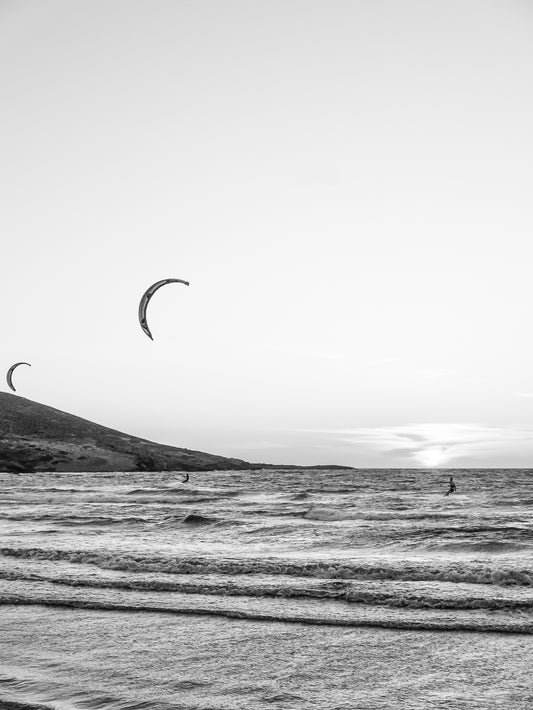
35,437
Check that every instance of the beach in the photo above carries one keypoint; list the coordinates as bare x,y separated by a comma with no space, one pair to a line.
267,589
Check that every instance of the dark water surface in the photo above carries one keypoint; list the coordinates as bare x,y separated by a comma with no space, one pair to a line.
324,589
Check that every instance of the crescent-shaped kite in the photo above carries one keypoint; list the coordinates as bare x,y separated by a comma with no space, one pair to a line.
145,300
9,376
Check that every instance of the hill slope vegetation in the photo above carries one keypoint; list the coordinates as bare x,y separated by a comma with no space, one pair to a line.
35,437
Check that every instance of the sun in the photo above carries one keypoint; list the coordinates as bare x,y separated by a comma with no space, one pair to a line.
433,456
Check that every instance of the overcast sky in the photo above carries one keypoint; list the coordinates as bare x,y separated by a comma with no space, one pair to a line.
346,185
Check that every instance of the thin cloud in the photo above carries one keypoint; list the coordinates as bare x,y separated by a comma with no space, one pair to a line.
437,444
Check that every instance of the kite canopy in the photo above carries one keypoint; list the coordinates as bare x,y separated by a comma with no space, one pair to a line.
9,376
145,300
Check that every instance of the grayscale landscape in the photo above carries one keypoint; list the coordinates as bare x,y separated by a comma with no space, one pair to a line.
266,429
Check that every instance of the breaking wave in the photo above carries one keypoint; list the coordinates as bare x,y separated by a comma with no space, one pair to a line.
334,514
347,591
381,620
407,570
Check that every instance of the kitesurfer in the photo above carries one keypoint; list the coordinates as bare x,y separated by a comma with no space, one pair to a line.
452,488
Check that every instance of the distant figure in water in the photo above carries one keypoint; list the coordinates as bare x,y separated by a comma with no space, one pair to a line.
452,488
186,478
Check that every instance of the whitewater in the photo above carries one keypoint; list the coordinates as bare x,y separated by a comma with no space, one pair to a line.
271,588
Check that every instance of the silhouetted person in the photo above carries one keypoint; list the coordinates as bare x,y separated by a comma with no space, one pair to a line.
186,478
452,488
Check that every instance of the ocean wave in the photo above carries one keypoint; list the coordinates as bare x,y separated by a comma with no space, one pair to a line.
274,529
338,489
76,520
183,492
46,489
462,538
336,514
155,491
512,502
195,519
520,530
302,495
149,500
367,593
29,694
509,624
408,570
18,705
481,546
100,521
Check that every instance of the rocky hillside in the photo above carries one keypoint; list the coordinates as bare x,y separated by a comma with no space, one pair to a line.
34,437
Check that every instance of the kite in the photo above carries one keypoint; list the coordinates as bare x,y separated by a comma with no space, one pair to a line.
145,300
9,376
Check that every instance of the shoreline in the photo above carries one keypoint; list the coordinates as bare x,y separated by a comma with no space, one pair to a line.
197,661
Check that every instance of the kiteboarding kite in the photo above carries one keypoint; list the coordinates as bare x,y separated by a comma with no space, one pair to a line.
9,376
145,300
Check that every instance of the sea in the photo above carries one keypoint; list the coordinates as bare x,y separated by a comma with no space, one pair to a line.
290,589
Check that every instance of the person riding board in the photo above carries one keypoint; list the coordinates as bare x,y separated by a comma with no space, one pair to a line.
452,488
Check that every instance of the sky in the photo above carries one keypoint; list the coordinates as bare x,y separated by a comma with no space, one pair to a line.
347,187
